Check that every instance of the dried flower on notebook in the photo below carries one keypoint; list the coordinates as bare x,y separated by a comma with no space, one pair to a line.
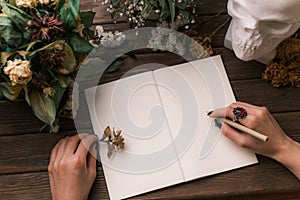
114,140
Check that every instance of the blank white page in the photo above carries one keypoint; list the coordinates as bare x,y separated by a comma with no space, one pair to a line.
149,160
188,91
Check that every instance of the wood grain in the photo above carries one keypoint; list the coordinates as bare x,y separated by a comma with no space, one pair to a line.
31,152
25,151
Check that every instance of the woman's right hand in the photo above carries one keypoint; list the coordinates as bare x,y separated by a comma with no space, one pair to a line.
279,146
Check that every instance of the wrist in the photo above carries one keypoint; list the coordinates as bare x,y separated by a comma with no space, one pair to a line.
289,155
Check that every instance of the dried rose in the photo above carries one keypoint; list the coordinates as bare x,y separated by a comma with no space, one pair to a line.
18,71
26,3
49,3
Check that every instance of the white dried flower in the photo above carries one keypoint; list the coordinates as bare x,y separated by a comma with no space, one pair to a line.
99,30
26,3
112,40
18,71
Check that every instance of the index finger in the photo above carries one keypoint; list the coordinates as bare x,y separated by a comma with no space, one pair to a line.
85,144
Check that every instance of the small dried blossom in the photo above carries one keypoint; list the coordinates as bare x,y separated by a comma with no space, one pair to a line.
138,12
49,91
51,59
26,3
18,71
41,80
47,28
114,140
49,3
107,39
197,50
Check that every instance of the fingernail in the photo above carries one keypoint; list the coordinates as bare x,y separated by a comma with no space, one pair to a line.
218,123
209,113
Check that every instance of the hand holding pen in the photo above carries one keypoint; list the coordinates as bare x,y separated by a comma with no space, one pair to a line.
276,145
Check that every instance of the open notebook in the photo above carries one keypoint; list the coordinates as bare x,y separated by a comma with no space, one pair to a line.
168,137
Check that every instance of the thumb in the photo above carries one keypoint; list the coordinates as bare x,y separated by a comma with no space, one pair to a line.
240,138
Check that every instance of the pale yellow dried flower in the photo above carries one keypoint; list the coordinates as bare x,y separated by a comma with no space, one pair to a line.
49,91
18,71
49,3
26,3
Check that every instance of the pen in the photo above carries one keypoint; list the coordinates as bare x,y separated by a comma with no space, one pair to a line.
245,129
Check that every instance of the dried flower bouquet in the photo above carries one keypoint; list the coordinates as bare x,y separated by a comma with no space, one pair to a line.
41,43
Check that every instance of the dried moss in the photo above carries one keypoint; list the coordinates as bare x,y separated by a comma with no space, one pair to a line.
284,69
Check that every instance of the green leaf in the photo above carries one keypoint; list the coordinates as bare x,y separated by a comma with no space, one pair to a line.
181,5
172,9
64,81
69,14
12,2
78,44
87,18
59,5
8,33
26,91
11,92
43,106
164,14
1,94
48,47
4,56
186,16
18,17
69,62
59,93
162,3
89,33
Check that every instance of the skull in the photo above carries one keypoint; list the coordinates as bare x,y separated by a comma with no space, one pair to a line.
258,26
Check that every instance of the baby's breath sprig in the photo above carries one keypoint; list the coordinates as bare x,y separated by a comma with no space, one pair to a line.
113,139
138,11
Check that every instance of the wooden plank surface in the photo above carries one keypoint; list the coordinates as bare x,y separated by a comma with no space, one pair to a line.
25,152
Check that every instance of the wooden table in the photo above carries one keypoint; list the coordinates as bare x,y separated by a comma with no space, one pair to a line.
25,151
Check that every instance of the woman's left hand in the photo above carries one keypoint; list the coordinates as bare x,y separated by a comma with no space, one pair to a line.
72,168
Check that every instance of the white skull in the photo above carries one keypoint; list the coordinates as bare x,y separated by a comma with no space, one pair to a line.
258,26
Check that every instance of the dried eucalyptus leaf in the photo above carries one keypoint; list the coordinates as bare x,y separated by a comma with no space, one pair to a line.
80,45
69,62
5,56
69,14
11,92
59,5
8,32
87,18
172,10
18,17
59,92
118,133
110,149
107,132
47,47
43,106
